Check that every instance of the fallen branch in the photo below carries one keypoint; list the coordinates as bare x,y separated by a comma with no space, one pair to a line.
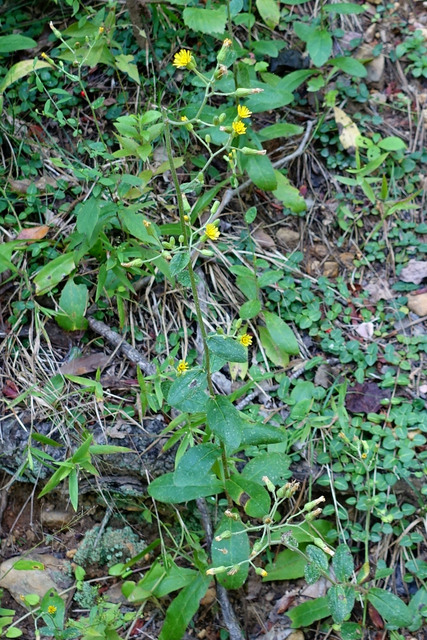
228,614
118,341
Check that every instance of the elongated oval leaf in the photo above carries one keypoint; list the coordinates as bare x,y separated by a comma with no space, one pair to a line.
231,551
195,464
164,489
281,334
183,608
225,421
228,349
187,392
208,21
251,496
343,563
390,607
269,12
53,273
341,602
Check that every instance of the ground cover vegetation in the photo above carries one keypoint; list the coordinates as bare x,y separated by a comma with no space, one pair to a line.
212,319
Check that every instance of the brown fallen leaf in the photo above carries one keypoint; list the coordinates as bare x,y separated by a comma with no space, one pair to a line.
377,621
33,233
415,271
365,397
288,237
80,366
379,289
418,304
10,390
263,239
365,330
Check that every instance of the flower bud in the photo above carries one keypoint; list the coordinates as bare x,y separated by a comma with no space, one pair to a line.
223,536
270,486
185,204
215,121
181,239
206,252
248,151
208,138
133,263
220,72
213,571
261,572
310,505
312,515
222,117
243,93
230,514
233,570
257,547
215,206
322,545
55,31
223,52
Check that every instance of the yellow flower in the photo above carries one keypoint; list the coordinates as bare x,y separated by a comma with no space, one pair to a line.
146,223
245,340
227,43
243,112
184,118
182,366
183,59
364,456
51,609
239,128
212,232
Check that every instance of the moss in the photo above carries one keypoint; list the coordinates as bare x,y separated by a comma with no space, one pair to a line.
113,546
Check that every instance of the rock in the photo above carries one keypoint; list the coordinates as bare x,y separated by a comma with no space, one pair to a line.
55,518
330,269
21,582
288,237
418,304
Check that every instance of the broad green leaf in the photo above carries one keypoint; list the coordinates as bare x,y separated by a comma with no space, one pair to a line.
281,334
126,64
274,465
225,421
344,8
195,464
289,195
134,223
255,434
390,607
228,349
231,551
269,12
341,602
351,631
20,70
187,392
289,565
319,46
28,565
183,608
261,172
308,612
88,215
164,489
15,42
160,580
280,130
268,47
273,351
343,563
311,573
317,557
179,262
349,65
303,30
73,303
210,21
250,309
270,98
13,632
250,215
392,143
251,496
53,273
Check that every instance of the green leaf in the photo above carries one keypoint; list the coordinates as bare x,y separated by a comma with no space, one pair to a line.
82,452
53,272
73,303
15,42
250,309
390,607
269,12
225,421
125,63
228,349
250,215
341,602
392,143
183,608
270,98
289,195
280,130
261,172
311,573
317,557
343,563
349,65
351,631
319,46
59,475
308,612
281,334
161,580
134,223
210,21
274,353
344,8
20,70
272,464
73,488
13,632
194,466
28,565
179,262
251,496
231,551
164,489
255,434
289,565
187,392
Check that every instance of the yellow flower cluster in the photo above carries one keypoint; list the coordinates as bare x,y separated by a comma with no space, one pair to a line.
212,232
183,59
238,126
245,340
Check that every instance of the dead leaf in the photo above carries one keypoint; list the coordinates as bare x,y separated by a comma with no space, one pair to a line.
33,233
10,390
80,366
323,376
263,239
114,432
423,388
330,269
377,621
365,329
418,304
288,237
379,290
365,397
415,271
347,130
21,186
